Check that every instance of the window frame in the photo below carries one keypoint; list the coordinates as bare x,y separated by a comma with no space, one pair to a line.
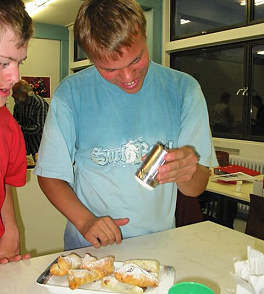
248,21
250,32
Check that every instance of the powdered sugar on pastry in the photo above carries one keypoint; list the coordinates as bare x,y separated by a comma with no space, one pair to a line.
65,263
150,265
87,258
134,275
74,260
105,263
79,277
111,283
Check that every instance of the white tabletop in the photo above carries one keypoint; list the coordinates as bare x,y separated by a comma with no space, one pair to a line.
201,252
230,189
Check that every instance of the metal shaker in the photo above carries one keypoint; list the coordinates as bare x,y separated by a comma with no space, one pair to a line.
147,172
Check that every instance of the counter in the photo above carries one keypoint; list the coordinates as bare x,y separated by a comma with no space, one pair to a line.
202,252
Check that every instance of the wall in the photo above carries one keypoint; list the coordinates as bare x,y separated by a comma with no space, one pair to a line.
244,149
40,224
48,53
43,61
60,33
150,35
156,6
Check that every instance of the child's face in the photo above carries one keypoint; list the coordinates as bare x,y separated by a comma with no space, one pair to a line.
129,71
10,58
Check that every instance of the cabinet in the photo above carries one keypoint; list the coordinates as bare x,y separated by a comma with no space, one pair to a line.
77,58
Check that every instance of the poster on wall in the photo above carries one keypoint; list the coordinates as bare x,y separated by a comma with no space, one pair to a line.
40,85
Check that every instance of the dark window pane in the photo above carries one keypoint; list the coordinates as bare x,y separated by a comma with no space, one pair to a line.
196,16
220,72
259,9
79,54
257,109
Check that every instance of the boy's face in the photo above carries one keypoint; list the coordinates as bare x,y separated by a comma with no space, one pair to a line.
10,58
127,72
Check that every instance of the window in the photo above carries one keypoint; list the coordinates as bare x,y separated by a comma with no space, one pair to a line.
196,17
231,77
258,10
192,17
79,54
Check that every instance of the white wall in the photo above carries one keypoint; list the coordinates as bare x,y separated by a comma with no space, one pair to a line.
40,224
43,61
149,19
244,149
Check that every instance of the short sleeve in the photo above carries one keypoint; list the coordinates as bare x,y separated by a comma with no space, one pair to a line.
17,161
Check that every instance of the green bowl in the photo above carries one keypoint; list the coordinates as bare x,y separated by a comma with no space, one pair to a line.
190,288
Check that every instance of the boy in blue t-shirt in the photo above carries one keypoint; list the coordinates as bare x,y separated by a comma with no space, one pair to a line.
104,119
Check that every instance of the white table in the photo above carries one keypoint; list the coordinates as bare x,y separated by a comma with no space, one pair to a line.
201,252
229,190
225,193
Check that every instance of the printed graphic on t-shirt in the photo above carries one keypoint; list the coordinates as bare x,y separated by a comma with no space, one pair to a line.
130,152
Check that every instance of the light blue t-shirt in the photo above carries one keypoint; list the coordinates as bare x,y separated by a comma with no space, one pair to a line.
96,134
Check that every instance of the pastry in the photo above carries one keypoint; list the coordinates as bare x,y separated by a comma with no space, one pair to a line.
131,277
111,283
150,265
106,264
134,275
88,258
79,277
65,263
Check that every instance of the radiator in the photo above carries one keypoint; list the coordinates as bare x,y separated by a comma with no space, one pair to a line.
255,164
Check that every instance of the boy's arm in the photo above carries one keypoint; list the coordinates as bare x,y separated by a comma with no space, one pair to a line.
9,242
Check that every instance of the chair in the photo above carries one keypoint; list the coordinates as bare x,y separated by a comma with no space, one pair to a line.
208,201
255,221
222,158
187,211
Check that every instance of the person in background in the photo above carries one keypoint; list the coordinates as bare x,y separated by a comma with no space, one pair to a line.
223,118
257,124
30,112
15,32
104,119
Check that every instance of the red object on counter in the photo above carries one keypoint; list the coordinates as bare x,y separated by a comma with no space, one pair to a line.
229,169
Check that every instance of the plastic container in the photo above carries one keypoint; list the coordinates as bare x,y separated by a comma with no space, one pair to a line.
190,288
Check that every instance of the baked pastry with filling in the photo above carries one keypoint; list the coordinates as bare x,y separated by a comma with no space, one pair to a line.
105,264
134,275
111,283
150,265
65,263
79,277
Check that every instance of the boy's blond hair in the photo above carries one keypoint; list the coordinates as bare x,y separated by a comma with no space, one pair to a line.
102,27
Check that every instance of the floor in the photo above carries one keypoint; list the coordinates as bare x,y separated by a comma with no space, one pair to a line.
240,225
240,221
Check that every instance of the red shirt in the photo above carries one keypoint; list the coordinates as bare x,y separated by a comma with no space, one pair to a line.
13,161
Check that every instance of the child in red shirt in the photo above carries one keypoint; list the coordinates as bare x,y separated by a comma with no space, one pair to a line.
15,32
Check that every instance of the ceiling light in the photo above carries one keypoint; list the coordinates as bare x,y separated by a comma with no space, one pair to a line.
183,21
257,2
260,52
34,7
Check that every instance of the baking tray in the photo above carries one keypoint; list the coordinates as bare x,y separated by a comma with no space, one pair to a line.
57,284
